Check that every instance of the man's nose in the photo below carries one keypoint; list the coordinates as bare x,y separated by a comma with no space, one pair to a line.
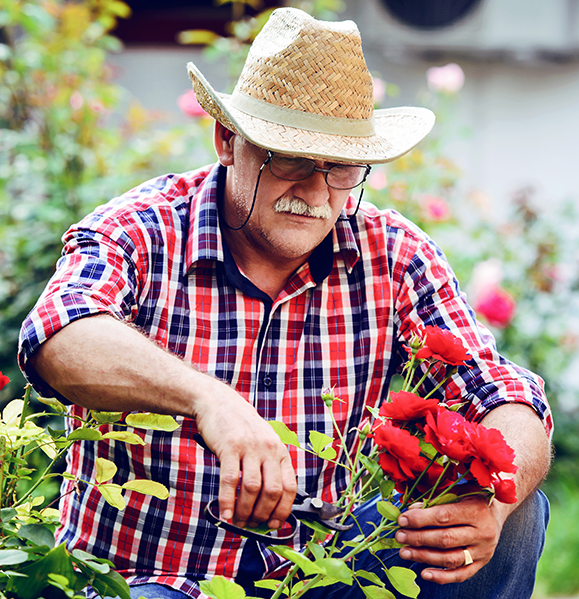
314,190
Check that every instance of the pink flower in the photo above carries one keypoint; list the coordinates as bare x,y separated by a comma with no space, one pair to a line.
497,306
449,78
379,89
377,180
189,105
434,208
76,100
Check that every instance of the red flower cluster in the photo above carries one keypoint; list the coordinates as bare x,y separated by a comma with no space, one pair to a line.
4,380
427,447
440,344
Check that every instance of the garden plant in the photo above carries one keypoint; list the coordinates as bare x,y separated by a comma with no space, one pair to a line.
71,138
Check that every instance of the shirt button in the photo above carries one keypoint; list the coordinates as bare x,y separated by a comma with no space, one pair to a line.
267,381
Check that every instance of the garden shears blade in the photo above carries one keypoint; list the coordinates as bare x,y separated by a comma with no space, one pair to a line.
305,507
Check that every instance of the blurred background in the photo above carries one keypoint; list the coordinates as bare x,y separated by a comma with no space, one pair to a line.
95,98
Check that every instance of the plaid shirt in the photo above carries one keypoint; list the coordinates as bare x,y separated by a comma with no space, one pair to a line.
155,257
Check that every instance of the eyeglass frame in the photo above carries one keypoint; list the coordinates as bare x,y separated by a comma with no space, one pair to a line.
326,171
268,160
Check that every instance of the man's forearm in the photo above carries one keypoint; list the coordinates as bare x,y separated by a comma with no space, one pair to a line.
103,364
526,435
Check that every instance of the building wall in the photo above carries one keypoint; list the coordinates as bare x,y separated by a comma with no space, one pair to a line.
520,101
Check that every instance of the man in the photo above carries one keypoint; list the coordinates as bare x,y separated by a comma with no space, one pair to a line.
233,295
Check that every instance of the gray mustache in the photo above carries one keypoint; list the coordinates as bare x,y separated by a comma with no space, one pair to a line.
295,205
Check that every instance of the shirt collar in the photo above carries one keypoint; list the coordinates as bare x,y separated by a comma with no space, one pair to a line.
205,242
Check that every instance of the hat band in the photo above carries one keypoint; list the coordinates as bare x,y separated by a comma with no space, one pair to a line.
299,119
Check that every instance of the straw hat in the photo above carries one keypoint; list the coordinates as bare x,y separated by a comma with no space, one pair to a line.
305,90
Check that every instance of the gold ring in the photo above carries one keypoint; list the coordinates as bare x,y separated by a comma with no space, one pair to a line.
467,557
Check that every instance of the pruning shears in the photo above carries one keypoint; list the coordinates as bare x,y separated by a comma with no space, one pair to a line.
304,508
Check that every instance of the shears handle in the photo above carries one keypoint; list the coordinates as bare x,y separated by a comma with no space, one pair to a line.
277,538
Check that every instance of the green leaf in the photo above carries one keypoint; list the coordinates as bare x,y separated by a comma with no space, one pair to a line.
152,422
147,487
427,449
372,592
111,584
403,580
319,441
221,588
317,526
125,436
106,417
386,487
7,514
270,585
388,510
444,499
283,432
113,495
85,434
11,557
385,543
337,569
370,576
317,550
308,567
371,466
61,581
37,534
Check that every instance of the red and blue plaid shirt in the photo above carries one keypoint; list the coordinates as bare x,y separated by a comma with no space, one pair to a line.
155,257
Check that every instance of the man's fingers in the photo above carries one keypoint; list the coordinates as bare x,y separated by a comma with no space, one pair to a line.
441,538
249,490
228,482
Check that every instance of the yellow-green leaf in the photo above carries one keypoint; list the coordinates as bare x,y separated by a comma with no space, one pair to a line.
337,569
328,454
319,441
283,432
152,422
221,588
403,580
12,411
106,417
299,559
85,434
48,446
147,487
113,494
105,470
53,403
443,499
125,436
202,37
388,510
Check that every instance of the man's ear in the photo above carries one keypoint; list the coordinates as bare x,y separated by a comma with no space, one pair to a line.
223,141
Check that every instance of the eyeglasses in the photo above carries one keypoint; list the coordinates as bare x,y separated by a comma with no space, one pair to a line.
338,176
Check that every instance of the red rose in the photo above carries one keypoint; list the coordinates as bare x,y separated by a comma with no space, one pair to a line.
442,345
4,380
449,433
491,455
401,458
404,406
505,490
497,306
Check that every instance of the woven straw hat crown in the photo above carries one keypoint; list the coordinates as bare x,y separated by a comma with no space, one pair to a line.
305,90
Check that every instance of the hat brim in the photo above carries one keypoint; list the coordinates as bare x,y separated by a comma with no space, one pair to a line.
396,130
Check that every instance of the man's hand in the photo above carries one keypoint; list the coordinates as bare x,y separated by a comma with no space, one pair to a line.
439,535
246,444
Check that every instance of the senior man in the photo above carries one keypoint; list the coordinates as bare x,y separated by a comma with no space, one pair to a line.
232,295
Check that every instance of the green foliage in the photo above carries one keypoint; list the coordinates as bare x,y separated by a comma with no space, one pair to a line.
69,140
32,566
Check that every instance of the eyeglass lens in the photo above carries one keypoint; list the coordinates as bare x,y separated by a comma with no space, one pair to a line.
339,176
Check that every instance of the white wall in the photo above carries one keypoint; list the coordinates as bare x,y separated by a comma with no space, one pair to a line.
523,113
